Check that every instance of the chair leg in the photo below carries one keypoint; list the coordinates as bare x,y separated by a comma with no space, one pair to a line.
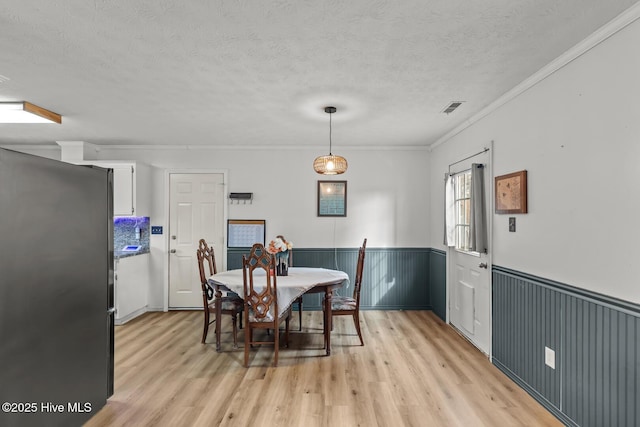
276,343
356,320
247,340
218,332
235,331
206,326
240,320
324,328
300,314
286,330
218,321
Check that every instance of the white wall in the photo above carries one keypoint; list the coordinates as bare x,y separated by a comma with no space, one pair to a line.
387,192
389,208
577,133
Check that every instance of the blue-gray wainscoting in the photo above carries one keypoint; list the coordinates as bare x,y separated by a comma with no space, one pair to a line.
438,281
596,341
393,278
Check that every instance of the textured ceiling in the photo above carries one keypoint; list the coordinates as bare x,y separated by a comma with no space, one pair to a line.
257,73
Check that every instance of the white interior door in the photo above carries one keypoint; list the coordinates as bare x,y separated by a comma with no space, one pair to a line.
469,280
196,211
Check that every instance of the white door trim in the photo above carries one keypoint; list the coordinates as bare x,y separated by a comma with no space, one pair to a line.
167,207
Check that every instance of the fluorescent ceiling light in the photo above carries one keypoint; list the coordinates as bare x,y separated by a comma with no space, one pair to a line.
26,112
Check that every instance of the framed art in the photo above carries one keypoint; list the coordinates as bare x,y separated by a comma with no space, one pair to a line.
243,233
511,193
332,198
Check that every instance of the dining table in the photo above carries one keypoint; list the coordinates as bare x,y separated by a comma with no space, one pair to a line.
298,281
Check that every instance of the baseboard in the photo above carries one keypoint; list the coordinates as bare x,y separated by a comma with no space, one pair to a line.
130,316
533,393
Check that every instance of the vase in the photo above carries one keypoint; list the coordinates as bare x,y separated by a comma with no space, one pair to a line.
282,263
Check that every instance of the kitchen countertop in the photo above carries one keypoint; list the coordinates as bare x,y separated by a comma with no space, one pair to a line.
127,254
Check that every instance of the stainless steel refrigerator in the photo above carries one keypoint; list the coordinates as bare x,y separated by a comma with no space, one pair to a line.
56,291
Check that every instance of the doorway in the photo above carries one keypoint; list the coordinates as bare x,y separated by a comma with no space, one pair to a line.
196,211
469,278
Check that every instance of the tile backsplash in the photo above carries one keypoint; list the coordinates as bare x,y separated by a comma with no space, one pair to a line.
129,231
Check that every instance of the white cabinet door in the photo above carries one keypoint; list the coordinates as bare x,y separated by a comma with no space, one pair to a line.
123,190
124,185
131,186
131,287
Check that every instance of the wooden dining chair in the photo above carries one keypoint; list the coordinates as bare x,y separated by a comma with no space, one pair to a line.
230,305
261,300
343,305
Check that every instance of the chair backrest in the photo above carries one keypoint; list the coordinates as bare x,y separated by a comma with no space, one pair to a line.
262,299
211,260
359,270
205,254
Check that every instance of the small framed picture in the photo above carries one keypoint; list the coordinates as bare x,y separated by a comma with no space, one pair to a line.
511,193
332,198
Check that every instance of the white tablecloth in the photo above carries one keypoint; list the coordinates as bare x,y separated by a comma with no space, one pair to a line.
299,281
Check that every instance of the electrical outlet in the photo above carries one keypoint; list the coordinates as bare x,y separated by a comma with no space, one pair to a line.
549,358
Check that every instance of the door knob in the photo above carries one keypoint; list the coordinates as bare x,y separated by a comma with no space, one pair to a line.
482,265
173,251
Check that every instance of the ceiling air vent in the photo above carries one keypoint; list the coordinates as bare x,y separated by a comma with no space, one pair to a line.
452,106
3,79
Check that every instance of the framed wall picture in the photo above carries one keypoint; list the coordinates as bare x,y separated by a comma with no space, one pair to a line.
332,198
511,193
243,233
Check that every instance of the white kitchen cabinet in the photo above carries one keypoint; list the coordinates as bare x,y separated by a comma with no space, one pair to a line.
131,186
124,190
131,287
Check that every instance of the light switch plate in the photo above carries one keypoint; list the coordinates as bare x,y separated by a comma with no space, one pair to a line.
512,224
550,358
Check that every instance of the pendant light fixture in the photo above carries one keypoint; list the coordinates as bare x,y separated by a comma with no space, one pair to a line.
330,165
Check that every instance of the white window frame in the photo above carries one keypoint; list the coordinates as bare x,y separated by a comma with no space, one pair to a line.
462,205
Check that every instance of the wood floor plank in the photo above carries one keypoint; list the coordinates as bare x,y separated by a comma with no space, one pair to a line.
414,370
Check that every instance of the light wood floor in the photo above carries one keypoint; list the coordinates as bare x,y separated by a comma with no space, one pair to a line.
414,370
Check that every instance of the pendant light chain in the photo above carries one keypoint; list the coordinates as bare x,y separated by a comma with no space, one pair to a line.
330,134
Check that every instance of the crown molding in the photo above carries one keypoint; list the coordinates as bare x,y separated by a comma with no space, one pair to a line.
319,149
603,33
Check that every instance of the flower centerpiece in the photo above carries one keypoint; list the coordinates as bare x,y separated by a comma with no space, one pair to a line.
280,248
